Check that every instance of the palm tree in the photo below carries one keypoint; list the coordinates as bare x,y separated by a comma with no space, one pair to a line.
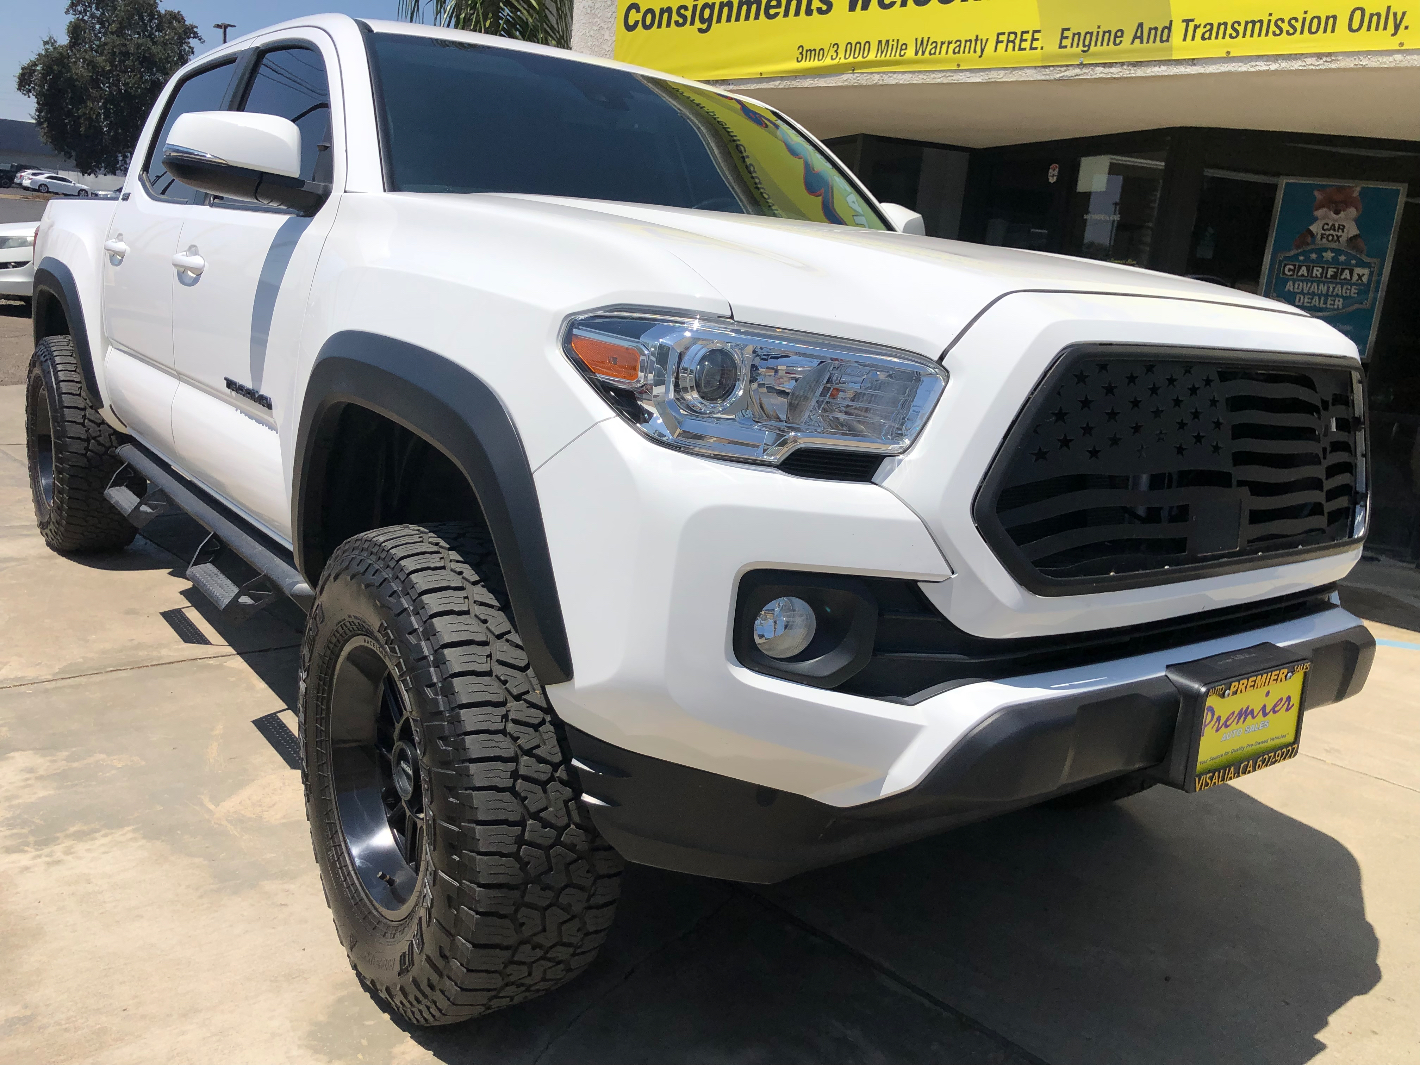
540,21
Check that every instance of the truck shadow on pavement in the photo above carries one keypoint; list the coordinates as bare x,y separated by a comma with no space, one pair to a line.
1166,928
1163,929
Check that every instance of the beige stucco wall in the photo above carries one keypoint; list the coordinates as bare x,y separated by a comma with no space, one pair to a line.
594,27
1369,94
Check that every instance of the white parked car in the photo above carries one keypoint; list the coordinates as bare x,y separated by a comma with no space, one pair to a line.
656,494
17,243
57,184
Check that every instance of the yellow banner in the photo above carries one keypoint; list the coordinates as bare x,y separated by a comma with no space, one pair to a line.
717,39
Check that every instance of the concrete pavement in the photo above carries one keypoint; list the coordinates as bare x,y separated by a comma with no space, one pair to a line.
161,904
16,341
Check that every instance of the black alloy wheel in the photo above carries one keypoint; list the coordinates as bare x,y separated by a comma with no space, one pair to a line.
379,791
72,454
41,441
462,869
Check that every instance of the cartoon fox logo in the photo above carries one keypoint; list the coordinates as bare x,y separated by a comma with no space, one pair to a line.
1336,211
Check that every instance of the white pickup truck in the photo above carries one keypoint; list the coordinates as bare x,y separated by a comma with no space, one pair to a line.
654,493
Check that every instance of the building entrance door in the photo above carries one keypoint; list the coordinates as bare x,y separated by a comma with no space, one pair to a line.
1115,206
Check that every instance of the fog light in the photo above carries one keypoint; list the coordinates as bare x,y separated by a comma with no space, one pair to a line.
784,627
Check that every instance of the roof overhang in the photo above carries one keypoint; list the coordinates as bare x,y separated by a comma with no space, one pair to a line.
1362,95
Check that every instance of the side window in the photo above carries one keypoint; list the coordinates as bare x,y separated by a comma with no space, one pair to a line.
205,91
291,83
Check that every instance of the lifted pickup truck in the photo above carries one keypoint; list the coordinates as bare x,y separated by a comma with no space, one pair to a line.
654,493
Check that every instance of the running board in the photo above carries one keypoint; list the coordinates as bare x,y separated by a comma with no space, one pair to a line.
229,533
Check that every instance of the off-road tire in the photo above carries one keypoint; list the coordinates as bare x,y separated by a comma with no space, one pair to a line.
516,889
1103,793
72,455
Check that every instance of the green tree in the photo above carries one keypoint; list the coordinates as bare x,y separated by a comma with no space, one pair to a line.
539,21
93,93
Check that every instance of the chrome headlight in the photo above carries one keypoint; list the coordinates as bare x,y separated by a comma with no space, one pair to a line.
750,393
25,241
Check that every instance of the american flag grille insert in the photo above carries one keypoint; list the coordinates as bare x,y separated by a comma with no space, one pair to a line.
1124,465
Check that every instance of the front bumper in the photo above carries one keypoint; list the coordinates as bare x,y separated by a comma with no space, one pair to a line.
676,817
650,546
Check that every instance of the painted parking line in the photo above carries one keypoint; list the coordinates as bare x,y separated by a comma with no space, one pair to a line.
1397,643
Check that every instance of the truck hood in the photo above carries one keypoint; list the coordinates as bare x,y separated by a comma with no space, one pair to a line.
915,293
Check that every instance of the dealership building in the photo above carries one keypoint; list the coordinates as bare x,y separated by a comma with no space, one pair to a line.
1240,143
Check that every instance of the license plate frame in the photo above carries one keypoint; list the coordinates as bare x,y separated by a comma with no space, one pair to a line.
1241,685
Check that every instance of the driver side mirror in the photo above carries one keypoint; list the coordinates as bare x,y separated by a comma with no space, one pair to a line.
243,156
905,220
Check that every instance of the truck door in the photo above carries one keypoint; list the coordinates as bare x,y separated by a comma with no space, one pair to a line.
139,275
237,315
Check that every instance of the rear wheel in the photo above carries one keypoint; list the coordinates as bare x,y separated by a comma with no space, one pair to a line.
72,455
44,188
461,870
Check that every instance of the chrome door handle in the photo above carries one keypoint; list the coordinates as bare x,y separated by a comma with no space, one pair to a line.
189,262
116,248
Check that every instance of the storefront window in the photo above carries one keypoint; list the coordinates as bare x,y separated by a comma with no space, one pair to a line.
1022,211
929,179
1115,204
1230,233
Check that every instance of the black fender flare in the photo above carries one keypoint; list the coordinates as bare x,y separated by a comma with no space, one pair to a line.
454,411
54,284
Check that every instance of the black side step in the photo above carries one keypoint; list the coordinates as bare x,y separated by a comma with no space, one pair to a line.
229,533
211,572
123,494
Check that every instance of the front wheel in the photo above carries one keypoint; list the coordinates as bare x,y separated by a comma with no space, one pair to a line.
462,871
83,193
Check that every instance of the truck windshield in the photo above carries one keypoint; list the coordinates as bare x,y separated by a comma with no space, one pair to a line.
462,117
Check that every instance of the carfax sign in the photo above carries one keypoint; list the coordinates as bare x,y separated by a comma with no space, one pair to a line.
720,39
1330,251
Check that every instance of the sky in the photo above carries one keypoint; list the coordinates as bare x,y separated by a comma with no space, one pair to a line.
28,22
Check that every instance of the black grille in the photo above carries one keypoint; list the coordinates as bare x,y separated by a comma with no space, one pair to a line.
1129,468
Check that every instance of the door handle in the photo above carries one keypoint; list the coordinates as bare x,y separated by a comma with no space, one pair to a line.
189,262
116,248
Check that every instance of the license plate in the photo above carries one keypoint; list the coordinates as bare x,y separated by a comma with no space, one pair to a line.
1249,723
1240,712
